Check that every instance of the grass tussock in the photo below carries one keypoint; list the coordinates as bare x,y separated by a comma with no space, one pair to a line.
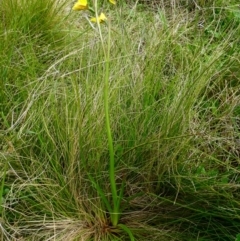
174,115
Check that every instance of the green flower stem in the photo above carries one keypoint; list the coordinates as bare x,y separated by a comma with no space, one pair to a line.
116,202
115,214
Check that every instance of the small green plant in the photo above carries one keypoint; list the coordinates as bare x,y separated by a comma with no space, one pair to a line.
114,209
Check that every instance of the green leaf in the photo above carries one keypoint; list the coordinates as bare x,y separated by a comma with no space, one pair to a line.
127,230
237,237
101,193
200,170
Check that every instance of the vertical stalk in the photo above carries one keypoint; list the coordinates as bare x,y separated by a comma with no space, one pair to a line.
114,215
115,198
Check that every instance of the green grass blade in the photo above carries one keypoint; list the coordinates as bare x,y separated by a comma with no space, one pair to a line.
127,230
2,186
101,193
120,196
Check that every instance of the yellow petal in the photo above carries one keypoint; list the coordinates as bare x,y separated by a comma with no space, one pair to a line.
102,17
99,19
94,20
80,5
83,2
112,1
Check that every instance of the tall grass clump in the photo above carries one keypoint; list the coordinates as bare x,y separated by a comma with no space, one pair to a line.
29,38
173,108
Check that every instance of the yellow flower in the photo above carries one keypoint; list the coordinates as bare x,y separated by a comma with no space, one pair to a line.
99,19
80,5
112,1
